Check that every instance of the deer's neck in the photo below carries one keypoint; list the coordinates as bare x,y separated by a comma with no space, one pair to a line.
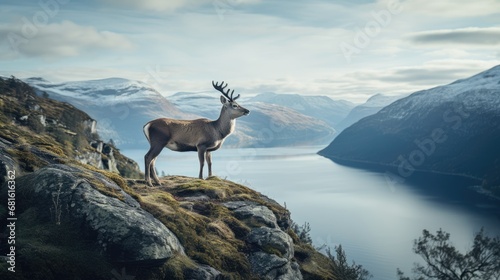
224,124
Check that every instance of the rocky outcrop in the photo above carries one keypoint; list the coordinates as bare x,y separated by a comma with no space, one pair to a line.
125,232
272,248
253,213
102,157
273,254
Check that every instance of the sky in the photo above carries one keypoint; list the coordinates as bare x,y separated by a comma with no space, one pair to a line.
347,50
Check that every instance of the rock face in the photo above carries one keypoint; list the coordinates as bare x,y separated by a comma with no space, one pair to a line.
102,158
124,230
7,163
273,257
253,212
272,248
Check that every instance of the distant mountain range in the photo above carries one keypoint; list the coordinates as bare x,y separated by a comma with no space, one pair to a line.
320,107
121,107
370,107
453,128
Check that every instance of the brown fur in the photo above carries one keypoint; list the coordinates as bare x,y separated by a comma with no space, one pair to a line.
201,135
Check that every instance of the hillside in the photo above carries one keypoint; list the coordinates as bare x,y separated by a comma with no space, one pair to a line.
39,131
370,107
319,107
453,128
77,217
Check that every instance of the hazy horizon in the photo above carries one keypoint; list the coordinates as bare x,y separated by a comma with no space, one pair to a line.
343,50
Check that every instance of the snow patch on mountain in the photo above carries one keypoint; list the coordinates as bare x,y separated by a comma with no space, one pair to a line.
481,91
105,91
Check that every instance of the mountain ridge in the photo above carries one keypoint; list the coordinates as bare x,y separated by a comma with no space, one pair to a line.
451,128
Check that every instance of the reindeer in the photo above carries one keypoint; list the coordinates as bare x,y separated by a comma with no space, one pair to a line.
201,135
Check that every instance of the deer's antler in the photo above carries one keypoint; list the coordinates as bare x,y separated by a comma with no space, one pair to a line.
221,88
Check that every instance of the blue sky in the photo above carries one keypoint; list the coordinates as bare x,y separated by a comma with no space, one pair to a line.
344,49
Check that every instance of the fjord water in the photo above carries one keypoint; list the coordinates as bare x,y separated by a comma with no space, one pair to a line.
373,215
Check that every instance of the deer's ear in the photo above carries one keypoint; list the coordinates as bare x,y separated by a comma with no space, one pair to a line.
223,100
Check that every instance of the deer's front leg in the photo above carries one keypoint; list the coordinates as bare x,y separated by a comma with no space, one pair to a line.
201,158
209,161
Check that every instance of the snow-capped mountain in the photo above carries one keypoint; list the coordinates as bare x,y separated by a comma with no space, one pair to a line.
370,107
453,128
266,125
120,106
319,107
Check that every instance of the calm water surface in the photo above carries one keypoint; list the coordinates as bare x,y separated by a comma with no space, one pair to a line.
374,217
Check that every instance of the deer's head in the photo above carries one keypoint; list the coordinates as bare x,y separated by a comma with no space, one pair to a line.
230,106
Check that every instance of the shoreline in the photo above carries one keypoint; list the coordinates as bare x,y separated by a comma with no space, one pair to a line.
384,167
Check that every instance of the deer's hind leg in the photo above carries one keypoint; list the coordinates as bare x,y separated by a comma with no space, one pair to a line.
149,164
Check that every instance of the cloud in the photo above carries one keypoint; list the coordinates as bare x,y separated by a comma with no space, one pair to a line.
173,5
151,5
453,8
468,36
58,40
436,72
358,85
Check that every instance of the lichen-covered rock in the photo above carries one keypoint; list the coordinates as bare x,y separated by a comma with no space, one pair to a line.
272,239
202,272
258,214
270,266
7,163
102,158
125,231
273,253
272,248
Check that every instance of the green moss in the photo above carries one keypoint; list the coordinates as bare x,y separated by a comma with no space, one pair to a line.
313,264
48,251
127,167
271,250
209,234
27,160
101,187
45,144
174,268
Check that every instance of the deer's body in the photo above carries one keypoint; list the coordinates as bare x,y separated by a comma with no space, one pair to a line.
201,135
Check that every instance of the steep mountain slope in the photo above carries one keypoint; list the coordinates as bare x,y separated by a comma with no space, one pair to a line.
267,125
319,107
38,130
453,128
120,106
370,107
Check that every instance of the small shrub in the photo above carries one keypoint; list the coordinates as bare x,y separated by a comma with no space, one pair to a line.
303,232
341,268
